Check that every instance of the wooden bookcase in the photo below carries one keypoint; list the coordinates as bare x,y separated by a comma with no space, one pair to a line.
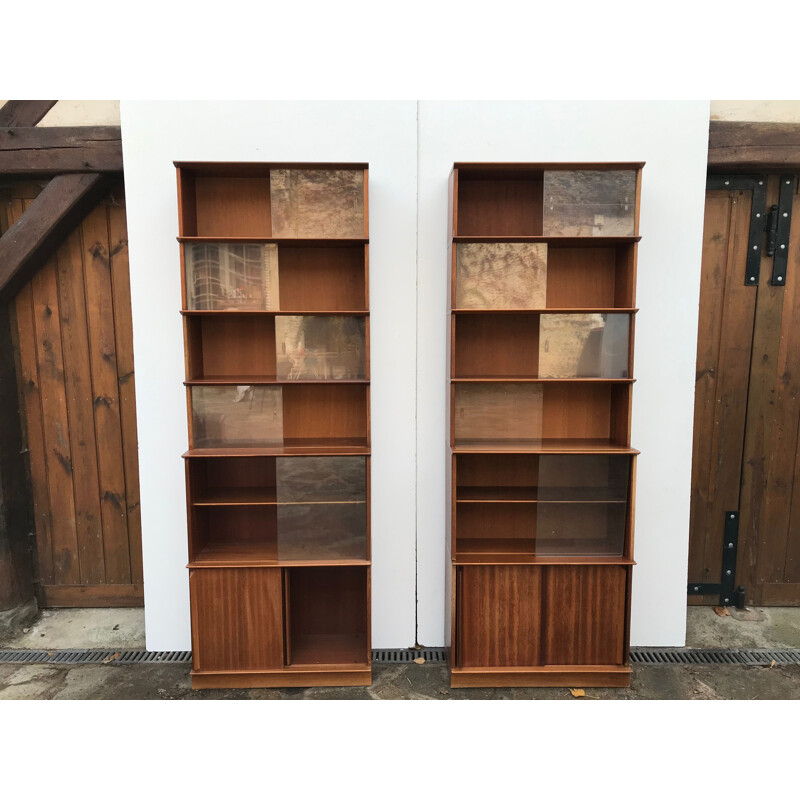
541,474
274,273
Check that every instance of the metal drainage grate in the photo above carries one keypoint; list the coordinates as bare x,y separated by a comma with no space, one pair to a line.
667,656
406,655
93,657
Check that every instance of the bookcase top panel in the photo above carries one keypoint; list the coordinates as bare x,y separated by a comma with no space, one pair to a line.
512,166
240,168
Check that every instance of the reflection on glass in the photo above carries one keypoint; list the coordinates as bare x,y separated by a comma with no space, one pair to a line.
316,348
501,275
586,529
322,531
317,203
497,412
577,477
589,203
237,416
322,507
317,479
238,277
583,345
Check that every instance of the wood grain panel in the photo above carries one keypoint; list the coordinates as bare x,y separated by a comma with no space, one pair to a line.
80,406
496,345
585,615
322,412
581,277
33,433
58,455
108,425
322,278
777,313
723,364
231,206
499,616
237,618
499,206
576,411
123,327
232,346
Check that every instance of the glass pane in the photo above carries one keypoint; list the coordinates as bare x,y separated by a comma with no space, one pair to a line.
577,478
317,203
311,348
316,531
589,203
319,479
591,528
322,507
501,275
583,345
237,416
498,412
239,277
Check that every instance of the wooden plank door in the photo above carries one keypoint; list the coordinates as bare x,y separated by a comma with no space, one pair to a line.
73,339
747,405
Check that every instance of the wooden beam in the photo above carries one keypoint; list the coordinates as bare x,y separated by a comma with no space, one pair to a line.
753,145
27,151
24,113
27,244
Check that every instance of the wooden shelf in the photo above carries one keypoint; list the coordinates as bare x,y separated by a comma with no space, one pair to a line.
253,380
545,446
272,240
553,241
320,447
530,494
572,310
275,313
328,649
253,555
528,379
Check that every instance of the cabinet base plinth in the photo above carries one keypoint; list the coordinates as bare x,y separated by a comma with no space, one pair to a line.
286,678
502,677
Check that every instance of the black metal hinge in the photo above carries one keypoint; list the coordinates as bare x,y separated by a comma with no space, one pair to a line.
783,224
757,184
728,595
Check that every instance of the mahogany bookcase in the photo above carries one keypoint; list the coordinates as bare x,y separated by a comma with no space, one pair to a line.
274,268
542,472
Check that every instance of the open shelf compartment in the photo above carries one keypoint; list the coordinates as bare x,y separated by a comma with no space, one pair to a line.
275,276
326,616
314,201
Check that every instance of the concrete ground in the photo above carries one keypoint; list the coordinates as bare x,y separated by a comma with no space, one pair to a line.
124,629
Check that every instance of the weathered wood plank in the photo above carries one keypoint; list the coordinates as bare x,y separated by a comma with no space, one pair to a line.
753,145
80,408
24,113
32,430
26,151
775,531
759,436
58,456
102,596
105,387
30,241
123,324
723,359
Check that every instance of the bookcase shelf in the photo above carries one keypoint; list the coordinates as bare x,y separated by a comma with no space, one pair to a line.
543,274
274,263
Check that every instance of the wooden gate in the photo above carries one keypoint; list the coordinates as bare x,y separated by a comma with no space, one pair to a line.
73,339
747,404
